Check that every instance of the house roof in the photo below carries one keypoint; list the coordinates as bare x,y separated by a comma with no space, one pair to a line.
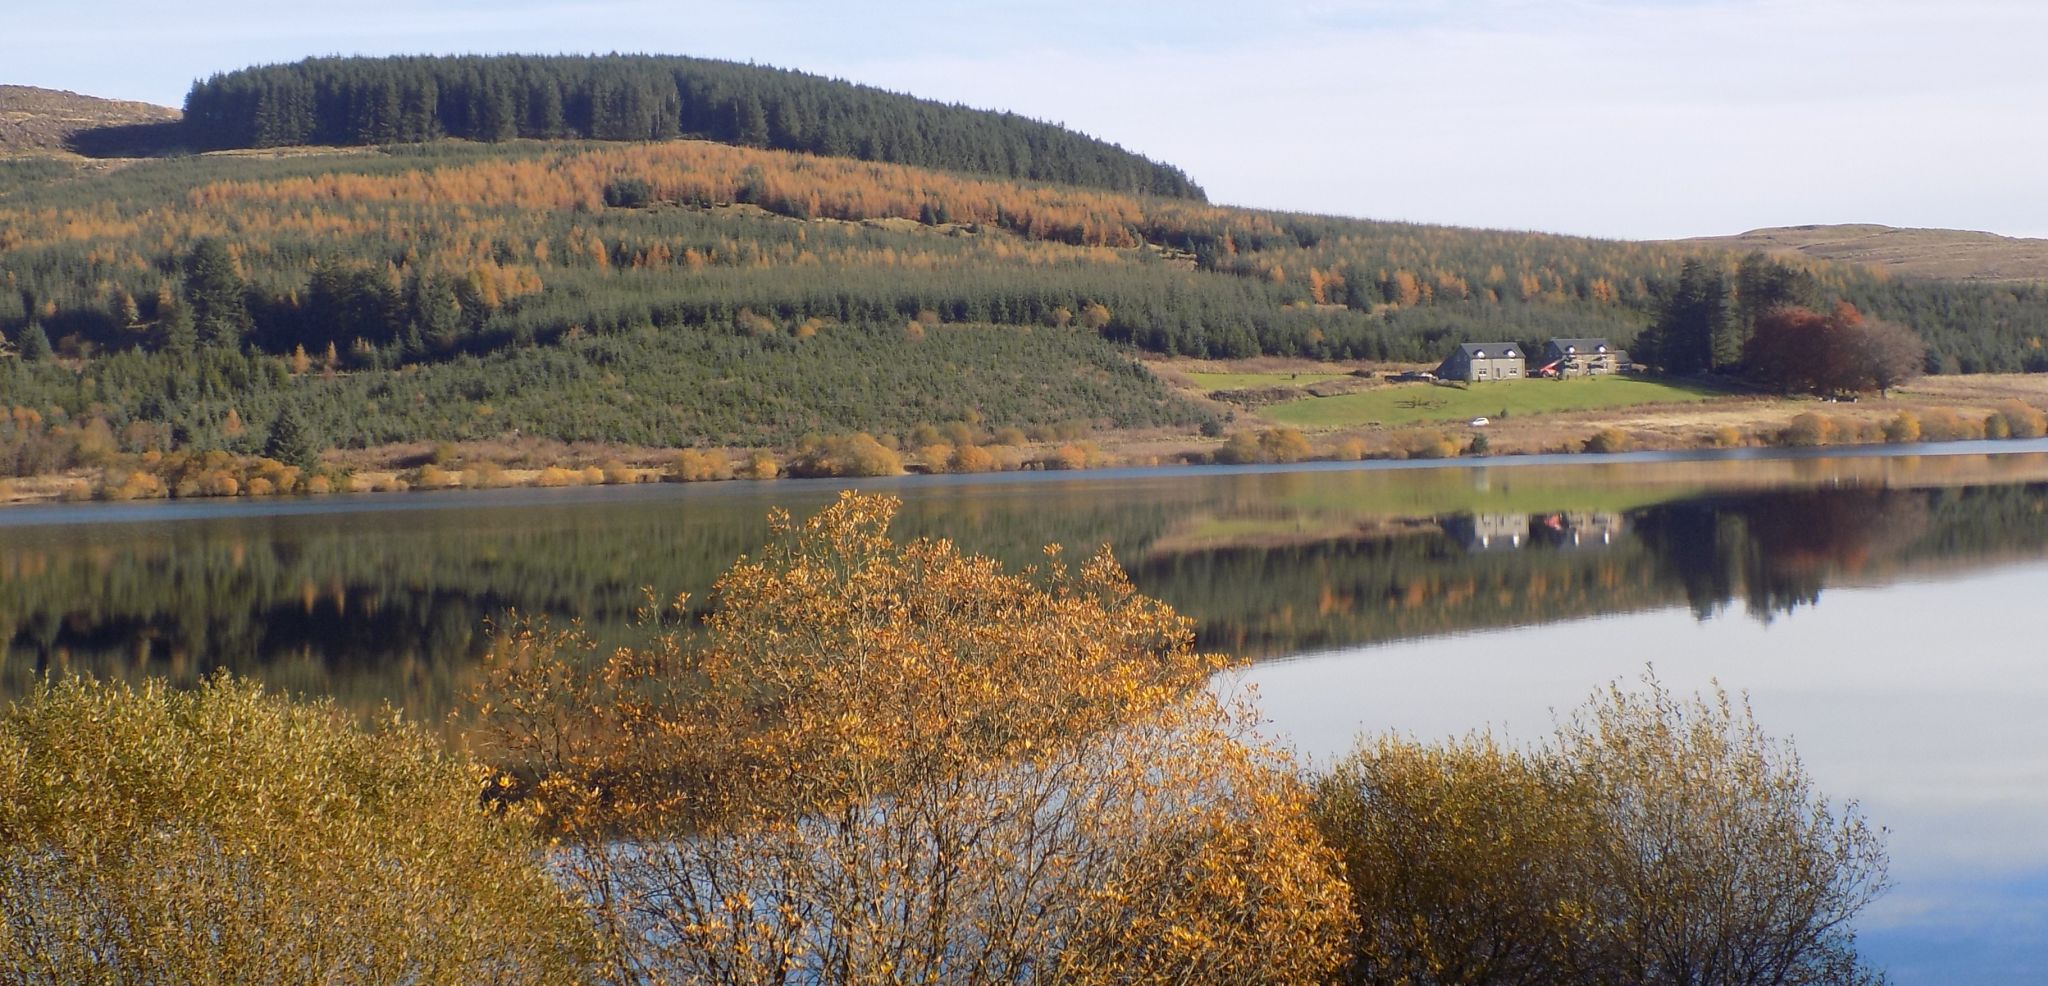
1493,350
1581,345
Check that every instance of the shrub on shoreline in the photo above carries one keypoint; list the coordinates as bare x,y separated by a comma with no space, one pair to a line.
1650,838
220,834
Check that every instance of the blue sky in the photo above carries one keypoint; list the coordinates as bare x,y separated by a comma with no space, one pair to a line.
1602,117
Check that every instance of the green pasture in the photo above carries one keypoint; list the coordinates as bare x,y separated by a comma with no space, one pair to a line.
1417,403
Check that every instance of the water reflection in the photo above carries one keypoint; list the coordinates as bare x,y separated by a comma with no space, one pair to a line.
393,604
1920,699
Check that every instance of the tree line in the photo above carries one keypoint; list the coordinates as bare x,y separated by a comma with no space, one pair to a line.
1762,321
405,99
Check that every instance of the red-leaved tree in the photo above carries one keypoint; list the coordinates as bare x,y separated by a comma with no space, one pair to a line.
1798,349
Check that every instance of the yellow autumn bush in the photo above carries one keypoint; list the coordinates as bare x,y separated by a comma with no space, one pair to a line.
224,835
888,763
1652,837
858,454
698,466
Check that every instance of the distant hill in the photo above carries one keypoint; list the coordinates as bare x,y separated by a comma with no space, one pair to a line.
493,98
51,120
1947,254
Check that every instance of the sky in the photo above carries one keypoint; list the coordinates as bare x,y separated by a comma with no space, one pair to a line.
1637,119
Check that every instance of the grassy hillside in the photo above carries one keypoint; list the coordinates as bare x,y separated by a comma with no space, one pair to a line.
1947,254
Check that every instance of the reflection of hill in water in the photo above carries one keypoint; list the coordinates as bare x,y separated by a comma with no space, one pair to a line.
375,606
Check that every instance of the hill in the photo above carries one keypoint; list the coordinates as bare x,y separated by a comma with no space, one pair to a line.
341,101
51,120
1946,254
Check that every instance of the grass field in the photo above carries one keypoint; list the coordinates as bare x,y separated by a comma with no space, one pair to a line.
1419,403
1213,382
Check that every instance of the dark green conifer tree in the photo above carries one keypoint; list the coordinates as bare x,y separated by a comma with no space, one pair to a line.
292,440
35,344
215,291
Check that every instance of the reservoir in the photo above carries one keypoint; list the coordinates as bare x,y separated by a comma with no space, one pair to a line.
1887,613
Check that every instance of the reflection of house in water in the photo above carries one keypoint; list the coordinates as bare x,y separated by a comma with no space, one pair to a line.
1488,532
1576,529
1567,529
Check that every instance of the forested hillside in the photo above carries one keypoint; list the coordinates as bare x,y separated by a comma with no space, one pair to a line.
688,292
341,101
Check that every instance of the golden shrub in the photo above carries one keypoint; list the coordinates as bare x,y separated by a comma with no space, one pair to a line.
1458,858
1024,771
433,477
2022,420
1652,836
762,465
1807,429
483,475
136,485
1240,448
557,476
1283,445
1077,455
1423,444
971,458
1903,428
695,466
1945,425
936,457
226,835
1608,440
858,454
219,482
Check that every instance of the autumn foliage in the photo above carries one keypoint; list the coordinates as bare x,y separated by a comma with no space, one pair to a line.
884,763
223,835
1841,352
1652,839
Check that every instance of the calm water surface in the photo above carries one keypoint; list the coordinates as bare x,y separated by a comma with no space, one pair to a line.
1886,613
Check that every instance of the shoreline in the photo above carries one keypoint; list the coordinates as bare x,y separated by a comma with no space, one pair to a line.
1935,412
53,512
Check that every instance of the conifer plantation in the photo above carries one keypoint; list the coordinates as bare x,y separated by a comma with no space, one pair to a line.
343,101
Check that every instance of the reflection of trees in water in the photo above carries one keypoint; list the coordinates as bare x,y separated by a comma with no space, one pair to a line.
372,607
1269,602
1777,550
1773,551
